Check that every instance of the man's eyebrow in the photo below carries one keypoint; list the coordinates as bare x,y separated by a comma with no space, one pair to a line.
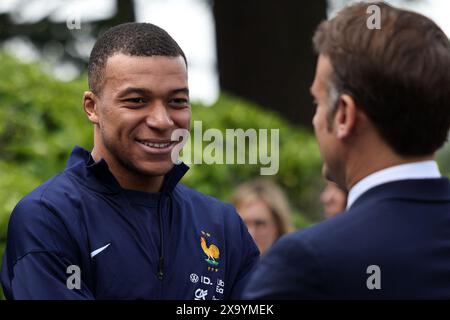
129,90
146,92
180,90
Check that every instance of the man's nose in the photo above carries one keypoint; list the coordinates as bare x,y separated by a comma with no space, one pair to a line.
159,118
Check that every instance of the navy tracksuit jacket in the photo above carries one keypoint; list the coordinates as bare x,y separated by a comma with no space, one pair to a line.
123,244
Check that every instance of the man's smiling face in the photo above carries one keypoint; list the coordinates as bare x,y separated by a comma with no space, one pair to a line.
142,101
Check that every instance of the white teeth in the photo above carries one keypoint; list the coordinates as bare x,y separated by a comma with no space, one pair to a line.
155,145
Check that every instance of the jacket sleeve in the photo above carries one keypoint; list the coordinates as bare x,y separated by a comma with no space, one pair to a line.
289,270
38,255
42,275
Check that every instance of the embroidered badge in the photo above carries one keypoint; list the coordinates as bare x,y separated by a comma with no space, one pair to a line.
212,252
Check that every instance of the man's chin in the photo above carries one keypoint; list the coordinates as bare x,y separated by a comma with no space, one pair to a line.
155,169
327,174
339,182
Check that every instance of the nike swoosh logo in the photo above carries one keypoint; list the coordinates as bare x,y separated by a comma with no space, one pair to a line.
97,251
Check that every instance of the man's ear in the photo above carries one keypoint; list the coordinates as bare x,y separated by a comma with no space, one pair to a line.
345,119
90,106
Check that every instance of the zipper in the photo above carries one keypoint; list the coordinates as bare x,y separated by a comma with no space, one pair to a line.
160,273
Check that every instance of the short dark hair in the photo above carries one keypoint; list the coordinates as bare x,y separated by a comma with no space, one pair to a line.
398,75
134,39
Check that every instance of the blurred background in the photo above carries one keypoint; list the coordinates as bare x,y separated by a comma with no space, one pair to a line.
250,66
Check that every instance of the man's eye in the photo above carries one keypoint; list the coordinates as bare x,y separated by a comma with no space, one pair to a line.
135,100
260,223
179,102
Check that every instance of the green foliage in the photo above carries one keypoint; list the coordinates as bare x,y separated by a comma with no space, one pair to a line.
443,158
299,159
42,119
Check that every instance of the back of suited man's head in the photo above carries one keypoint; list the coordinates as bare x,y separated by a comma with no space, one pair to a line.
399,75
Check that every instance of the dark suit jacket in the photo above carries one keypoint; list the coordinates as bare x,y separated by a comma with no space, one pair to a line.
403,227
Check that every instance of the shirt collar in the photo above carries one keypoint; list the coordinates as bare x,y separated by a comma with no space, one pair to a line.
97,176
415,170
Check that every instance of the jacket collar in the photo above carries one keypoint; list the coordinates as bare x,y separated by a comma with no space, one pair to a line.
98,177
414,170
425,190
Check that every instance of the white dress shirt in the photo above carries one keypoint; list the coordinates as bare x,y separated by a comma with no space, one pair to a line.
415,170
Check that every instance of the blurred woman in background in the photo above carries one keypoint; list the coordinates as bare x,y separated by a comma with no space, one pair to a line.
265,210
333,199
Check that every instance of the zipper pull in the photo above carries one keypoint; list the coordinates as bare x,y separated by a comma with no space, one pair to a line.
161,268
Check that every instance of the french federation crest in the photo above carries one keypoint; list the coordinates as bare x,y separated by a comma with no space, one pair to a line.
211,251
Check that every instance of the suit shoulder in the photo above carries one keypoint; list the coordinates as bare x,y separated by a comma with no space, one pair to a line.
325,226
326,234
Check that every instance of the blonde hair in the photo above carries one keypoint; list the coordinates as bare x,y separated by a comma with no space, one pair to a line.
272,195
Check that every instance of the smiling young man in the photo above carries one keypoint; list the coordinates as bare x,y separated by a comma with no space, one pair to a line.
383,109
116,224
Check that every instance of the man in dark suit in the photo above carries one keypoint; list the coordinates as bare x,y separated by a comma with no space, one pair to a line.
383,109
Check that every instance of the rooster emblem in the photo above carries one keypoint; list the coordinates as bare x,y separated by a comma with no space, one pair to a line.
211,251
